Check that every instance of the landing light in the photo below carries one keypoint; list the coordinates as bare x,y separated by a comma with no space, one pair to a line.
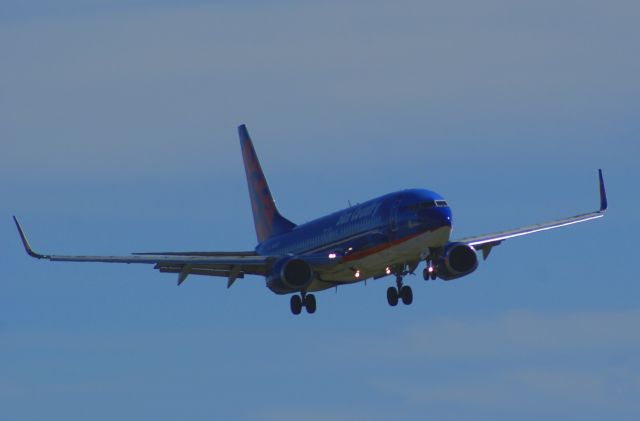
430,269
357,274
332,255
388,270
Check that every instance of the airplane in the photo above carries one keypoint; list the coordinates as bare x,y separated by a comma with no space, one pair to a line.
388,235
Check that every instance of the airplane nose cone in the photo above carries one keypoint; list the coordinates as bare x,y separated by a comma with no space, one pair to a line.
437,218
444,215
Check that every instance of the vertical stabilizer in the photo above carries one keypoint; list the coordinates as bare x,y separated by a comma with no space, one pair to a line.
266,217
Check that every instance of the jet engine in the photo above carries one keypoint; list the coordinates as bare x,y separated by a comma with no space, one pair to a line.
458,260
290,274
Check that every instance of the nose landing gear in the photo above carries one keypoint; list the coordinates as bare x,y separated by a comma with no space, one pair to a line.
430,272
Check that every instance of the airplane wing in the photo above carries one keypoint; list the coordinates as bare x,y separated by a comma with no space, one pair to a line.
486,242
232,265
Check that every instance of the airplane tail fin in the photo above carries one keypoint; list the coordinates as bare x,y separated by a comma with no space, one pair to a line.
267,219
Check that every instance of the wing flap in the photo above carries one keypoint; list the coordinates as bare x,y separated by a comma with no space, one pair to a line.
199,253
213,270
165,259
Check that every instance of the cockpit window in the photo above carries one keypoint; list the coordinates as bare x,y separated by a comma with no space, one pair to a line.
420,206
441,203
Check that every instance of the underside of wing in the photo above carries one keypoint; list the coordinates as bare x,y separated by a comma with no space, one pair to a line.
231,268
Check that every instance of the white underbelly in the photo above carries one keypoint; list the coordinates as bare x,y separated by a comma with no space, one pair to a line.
406,252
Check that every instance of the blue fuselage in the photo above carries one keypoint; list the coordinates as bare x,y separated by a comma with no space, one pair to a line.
362,230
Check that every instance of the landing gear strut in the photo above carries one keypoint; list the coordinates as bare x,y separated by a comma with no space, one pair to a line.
401,291
305,300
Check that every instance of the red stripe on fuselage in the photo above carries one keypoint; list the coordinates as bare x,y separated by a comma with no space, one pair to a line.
376,249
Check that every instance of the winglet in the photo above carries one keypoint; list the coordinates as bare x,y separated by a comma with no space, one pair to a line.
25,242
603,193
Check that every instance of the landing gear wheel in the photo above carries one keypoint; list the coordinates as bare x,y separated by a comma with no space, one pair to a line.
296,304
406,294
430,272
310,303
392,296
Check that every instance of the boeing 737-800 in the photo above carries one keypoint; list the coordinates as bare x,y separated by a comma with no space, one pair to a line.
388,235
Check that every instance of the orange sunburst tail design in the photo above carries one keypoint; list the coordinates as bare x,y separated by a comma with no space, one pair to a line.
268,221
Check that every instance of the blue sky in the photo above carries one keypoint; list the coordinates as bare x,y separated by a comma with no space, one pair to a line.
118,124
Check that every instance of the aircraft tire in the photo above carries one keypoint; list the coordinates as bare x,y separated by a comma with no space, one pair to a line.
433,275
406,294
296,304
392,296
310,303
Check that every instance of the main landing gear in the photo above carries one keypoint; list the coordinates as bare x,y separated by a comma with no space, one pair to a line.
403,292
305,300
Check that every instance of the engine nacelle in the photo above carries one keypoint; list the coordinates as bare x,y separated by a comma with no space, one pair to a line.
290,274
458,260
